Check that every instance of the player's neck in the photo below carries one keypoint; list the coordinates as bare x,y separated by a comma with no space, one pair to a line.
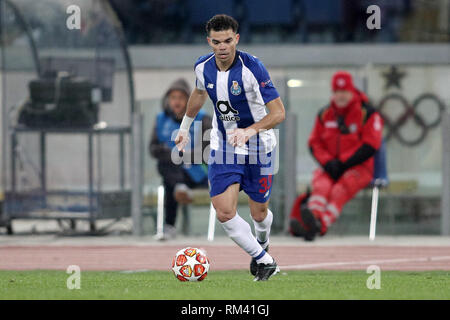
224,66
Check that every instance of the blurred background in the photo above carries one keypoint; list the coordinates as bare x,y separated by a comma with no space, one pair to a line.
125,54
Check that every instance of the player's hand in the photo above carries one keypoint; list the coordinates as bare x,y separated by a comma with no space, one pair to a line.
182,139
239,137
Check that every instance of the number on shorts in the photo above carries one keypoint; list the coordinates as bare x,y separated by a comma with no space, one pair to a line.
265,182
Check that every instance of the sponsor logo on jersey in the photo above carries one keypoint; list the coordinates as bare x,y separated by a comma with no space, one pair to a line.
353,127
235,88
266,83
210,86
225,108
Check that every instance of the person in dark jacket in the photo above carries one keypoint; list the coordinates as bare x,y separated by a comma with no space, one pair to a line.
178,179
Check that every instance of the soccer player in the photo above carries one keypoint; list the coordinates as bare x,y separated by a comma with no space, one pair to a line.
242,139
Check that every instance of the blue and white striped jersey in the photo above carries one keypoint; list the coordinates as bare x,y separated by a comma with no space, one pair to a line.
239,96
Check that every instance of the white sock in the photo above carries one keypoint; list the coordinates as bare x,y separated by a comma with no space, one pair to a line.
240,232
262,229
266,259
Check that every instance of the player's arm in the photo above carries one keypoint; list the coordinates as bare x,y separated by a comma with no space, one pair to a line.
195,103
276,115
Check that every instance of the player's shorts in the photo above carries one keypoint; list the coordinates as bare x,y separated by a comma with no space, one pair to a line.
253,173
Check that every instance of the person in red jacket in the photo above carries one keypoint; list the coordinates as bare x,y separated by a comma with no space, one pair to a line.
344,139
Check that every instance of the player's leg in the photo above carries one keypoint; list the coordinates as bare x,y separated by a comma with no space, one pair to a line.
237,228
262,220
225,203
351,182
257,184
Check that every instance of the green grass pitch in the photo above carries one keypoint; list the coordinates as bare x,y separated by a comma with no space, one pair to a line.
225,285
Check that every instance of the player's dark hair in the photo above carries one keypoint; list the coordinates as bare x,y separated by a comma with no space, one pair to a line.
221,22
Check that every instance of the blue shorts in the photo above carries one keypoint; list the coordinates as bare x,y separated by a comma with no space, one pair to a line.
253,173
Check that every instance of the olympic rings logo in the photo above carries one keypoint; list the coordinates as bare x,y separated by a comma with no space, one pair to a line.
411,111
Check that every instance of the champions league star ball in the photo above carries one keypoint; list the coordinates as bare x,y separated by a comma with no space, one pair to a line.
190,264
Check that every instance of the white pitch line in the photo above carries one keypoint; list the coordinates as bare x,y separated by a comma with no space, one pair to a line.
135,271
366,262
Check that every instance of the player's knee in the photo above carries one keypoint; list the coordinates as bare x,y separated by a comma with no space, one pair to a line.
258,211
223,215
259,214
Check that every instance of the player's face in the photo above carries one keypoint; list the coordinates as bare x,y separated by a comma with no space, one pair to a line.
177,102
342,98
223,44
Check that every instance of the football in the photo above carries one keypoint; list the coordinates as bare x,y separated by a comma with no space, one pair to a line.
190,264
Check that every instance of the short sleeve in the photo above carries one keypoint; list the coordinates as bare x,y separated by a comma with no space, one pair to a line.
265,84
199,79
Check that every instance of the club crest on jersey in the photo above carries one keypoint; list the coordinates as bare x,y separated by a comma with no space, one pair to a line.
235,88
